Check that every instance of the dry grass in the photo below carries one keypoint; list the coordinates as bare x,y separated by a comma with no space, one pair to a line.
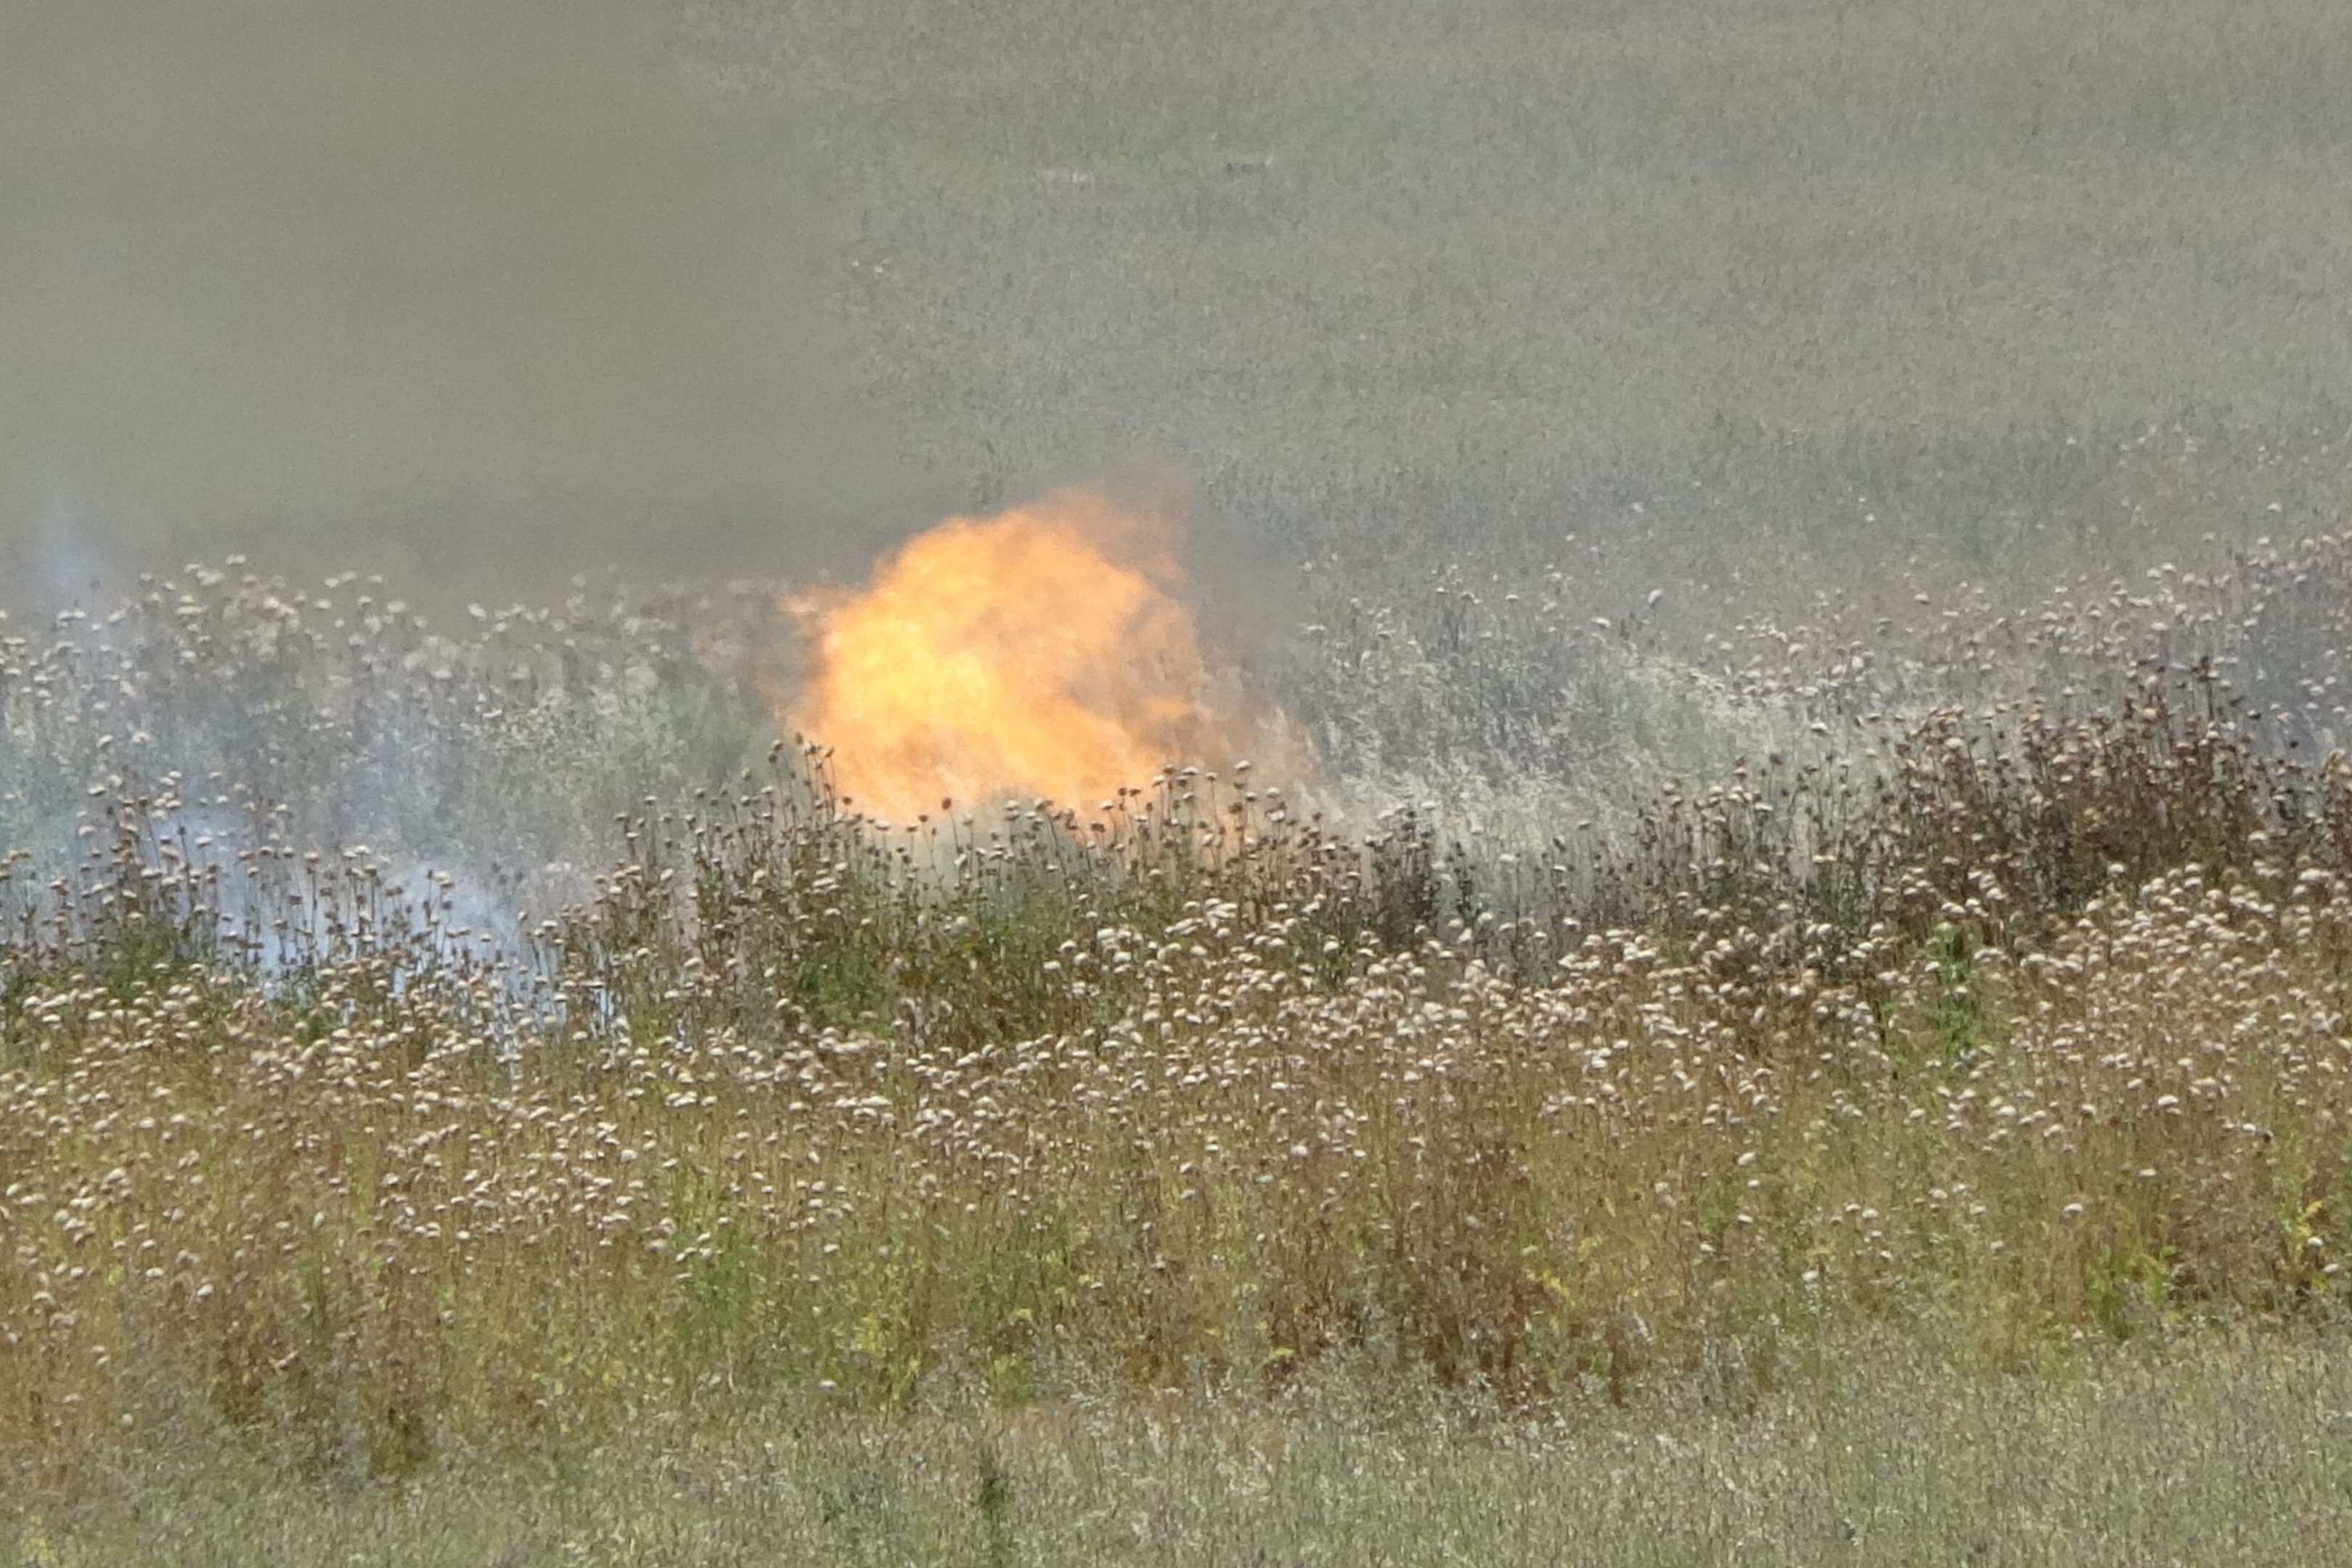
2031,1021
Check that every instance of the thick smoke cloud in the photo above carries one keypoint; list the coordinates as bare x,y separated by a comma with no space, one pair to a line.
484,293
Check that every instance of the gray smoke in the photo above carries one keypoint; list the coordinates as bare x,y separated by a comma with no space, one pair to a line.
490,292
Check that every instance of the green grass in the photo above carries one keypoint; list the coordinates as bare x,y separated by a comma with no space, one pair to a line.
2219,1449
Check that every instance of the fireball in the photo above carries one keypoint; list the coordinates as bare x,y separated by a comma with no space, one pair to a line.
1045,651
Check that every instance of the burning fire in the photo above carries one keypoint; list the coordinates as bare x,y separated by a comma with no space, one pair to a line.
1044,651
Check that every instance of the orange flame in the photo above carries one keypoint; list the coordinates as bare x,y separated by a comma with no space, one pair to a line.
1044,652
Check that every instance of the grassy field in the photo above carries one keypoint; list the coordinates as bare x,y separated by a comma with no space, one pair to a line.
2014,1035
1801,1017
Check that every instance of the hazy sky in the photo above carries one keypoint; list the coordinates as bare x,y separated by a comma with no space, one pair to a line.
479,290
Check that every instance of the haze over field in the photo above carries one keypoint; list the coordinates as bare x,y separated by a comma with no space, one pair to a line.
489,295
531,290
1813,284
